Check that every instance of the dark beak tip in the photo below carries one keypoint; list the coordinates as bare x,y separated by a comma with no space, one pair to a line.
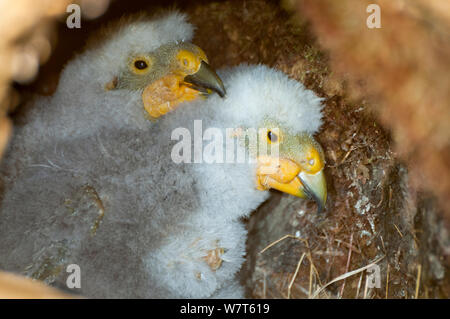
206,78
320,204
222,93
320,208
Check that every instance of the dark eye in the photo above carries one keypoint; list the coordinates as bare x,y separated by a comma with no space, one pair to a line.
272,136
140,65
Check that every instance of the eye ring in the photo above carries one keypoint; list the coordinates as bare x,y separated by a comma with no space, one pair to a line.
272,137
140,64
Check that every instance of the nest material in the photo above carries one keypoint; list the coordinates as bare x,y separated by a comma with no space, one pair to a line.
374,211
404,67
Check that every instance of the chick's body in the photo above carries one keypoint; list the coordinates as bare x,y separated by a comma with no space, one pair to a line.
226,190
110,198
108,202
87,179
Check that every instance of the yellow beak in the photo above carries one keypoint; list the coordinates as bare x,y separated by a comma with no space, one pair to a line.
286,176
167,93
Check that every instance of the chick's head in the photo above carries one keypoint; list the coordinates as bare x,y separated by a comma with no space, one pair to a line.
282,116
171,74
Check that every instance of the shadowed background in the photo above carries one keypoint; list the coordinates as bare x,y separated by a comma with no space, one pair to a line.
385,134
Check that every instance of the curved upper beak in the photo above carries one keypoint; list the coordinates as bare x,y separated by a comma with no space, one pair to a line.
314,186
206,80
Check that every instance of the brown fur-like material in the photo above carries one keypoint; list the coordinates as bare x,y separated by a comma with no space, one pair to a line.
404,66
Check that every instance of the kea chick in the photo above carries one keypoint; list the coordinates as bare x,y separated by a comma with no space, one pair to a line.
268,118
139,222
132,71
141,69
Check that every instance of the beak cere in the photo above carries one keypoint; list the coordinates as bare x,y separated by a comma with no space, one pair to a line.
206,79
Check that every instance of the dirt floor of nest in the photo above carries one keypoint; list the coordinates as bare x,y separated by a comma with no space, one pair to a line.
371,214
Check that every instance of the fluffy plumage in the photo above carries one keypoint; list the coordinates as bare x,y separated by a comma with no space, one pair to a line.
231,289
95,185
256,95
260,93
81,105
63,166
